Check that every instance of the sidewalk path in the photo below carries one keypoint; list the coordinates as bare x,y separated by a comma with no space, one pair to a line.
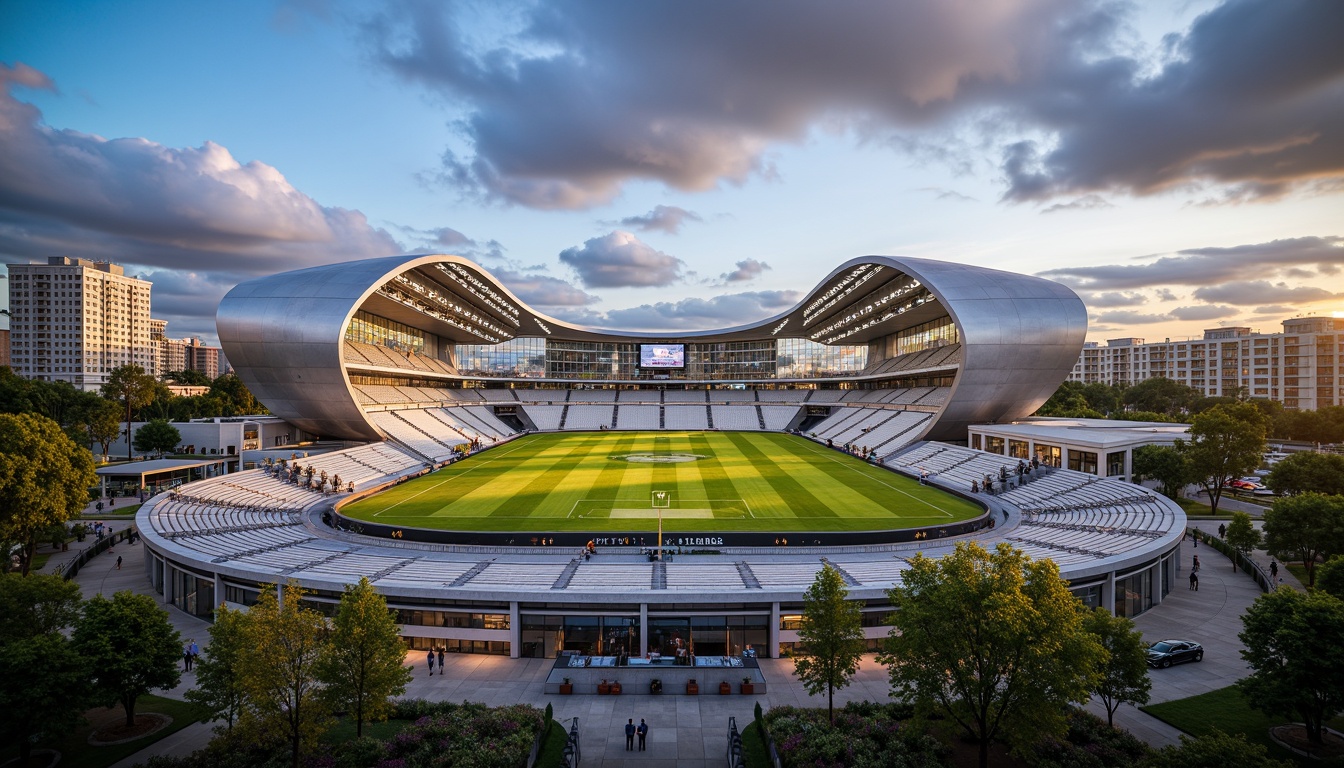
691,731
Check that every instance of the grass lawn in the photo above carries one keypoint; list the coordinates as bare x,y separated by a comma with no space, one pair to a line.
1226,709
716,481
76,752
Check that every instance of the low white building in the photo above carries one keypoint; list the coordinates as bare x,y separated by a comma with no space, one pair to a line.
1099,447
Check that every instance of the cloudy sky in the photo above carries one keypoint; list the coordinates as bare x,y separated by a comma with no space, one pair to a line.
687,164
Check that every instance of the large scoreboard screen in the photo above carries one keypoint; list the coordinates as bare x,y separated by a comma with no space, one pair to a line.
662,355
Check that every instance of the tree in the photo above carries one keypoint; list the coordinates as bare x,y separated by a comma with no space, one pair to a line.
1214,749
1164,463
1305,527
994,641
1123,675
832,637
133,388
219,671
1330,576
36,605
44,480
131,649
44,679
1241,535
44,692
362,661
1161,395
1226,442
279,662
235,396
104,426
158,436
188,377
1292,645
1308,472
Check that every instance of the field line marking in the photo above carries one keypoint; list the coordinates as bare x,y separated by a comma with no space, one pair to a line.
427,489
892,487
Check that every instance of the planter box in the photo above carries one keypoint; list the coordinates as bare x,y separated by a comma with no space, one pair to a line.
603,689
566,689
748,689
725,689
615,689
692,689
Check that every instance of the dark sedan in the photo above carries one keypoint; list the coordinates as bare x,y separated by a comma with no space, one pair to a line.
1164,653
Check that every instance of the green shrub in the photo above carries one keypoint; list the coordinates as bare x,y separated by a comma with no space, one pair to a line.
865,734
1090,743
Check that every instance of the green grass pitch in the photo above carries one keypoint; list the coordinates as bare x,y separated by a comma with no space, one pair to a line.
713,481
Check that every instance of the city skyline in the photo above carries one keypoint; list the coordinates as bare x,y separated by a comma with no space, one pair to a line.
690,166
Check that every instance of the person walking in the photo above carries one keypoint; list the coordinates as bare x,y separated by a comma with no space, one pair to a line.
193,649
118,562
1222,530
1194,581
630,735
431,662
643,731
186,658
1274,570
1196,564
443,668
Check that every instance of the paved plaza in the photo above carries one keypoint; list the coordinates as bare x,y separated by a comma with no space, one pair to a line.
691,731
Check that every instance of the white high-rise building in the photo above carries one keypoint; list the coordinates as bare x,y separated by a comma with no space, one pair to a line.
76,320
1302,367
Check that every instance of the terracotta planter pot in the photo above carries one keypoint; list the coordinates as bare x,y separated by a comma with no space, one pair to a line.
603,689
615,689
725,689
566,689
748,689
692,689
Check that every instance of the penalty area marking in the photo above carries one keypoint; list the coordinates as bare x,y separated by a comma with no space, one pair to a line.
608,505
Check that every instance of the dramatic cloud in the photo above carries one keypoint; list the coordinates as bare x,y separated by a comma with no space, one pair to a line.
1275,309
543,291
1084,203
747,269
1204,312
1115,299
621,260
1210,266
587,96
1257,291
1249,100
139,203
696,314
663,218
571,100
1127,317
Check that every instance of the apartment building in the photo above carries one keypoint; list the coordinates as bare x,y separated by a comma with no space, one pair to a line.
1301,367
76,320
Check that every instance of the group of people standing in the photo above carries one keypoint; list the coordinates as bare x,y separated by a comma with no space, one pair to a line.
632,730
443,669
190,652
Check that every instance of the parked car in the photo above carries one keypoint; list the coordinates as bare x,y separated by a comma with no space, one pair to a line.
1241,485
1164,653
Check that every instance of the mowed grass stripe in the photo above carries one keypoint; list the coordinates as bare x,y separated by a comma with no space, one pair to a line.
750,483
713,475
773,473
917,503
847,487
536,495
800,499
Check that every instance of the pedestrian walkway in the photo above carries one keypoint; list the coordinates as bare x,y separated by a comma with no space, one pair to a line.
691,731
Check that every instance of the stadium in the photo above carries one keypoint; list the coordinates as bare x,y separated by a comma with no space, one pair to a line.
488,447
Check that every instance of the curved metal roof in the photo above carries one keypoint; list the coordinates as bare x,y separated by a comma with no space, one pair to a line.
1020,334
